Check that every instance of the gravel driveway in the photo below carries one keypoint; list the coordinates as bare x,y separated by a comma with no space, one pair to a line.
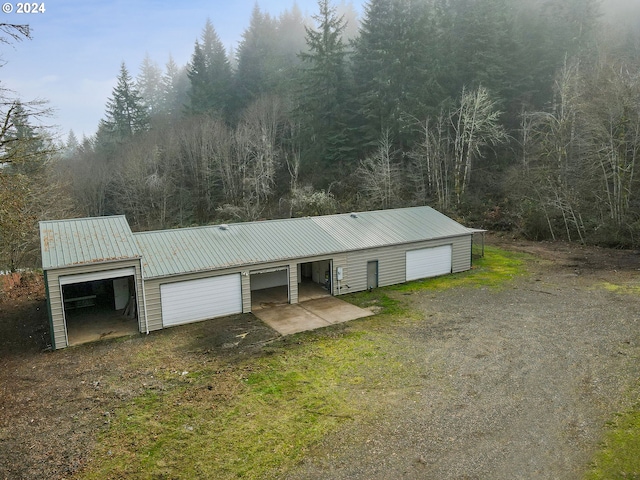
500,384
515,383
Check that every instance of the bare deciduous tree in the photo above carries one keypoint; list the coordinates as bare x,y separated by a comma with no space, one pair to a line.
476,125
450,144
205,151
612,120
582,154
380,176
257,156
431,163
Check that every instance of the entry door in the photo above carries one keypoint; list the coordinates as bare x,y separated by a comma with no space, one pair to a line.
372,274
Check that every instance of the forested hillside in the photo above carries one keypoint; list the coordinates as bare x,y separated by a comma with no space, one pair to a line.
519,115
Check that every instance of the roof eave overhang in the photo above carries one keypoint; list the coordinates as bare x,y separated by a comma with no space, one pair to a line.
99,262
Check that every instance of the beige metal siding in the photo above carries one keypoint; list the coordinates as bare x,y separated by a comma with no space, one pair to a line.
246,291
293,283
461,254
58,333
154,309
55,295
391,265
338,260
392,262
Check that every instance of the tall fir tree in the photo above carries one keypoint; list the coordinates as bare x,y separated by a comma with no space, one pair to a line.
322,103
71,146
290,41
175,84
126,114
477,45
210,75
254,75
23,144
149,83
394,70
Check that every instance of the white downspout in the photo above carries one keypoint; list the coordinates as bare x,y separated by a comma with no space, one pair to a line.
144,300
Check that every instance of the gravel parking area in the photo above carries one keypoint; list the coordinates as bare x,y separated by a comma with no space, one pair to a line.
515,383
512,383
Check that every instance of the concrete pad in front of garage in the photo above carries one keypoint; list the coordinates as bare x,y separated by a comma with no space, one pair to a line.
317,313
334,310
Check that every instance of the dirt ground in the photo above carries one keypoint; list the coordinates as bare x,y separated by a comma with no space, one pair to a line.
515,383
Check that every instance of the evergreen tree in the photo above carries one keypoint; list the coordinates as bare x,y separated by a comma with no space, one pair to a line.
291,37
323,97
71,146
175,84
479,37
254,75
575,24
289,41
347,11
149,82
210,75
544,35
126,114
394,72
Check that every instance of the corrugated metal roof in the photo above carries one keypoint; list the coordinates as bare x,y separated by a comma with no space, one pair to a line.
187,250
389,227
65,243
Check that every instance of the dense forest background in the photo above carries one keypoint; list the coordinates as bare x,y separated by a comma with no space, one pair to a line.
520,115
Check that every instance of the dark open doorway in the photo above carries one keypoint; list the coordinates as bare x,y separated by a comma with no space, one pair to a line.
318,273
100,309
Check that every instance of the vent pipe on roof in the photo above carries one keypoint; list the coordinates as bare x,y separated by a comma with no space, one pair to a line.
354,215
224,226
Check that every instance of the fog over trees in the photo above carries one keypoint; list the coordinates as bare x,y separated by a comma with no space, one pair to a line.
519,115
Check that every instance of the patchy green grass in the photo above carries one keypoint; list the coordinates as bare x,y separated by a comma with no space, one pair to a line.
494,270
379,300
256,417
621,289
619,456
260,422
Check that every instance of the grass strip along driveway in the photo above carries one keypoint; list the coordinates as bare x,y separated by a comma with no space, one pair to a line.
258,417
515,369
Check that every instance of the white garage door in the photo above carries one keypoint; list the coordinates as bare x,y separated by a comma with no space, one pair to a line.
428,262
194,300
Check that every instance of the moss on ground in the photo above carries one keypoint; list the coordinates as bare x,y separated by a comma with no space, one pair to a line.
279,405
619,455
258,417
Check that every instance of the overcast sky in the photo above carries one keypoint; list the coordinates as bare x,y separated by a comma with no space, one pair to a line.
77,46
